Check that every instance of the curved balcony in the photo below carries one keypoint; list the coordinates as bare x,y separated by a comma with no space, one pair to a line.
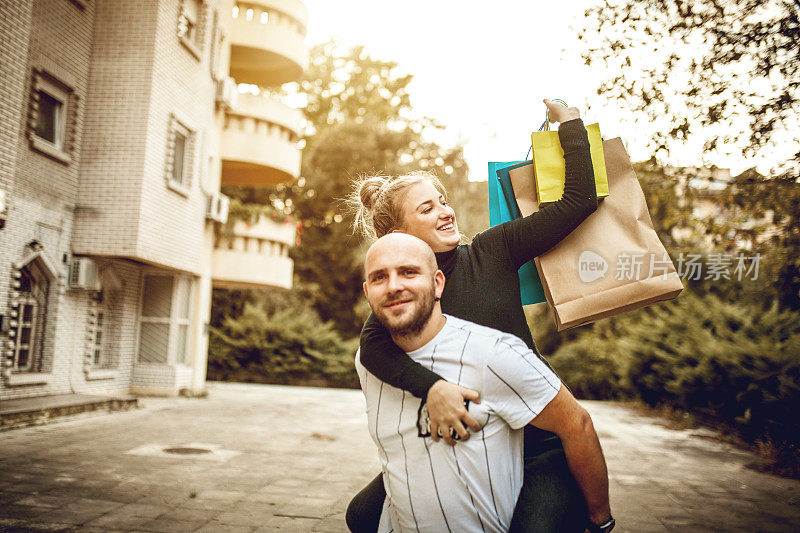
267,45
259,142
255,257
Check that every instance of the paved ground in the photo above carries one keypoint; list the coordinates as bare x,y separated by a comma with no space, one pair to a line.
289,458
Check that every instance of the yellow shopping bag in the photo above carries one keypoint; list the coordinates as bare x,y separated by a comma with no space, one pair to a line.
548,162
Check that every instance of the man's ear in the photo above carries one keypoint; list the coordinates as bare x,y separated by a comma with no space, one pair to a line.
438,283
365,291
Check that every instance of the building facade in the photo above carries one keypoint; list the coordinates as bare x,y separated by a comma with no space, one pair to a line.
119,122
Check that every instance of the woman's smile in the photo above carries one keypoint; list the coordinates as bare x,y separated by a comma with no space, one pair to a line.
448,227
428,216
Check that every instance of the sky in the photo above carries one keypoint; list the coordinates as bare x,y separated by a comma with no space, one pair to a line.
483,69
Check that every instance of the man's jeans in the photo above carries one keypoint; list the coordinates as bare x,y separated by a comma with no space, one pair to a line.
550,499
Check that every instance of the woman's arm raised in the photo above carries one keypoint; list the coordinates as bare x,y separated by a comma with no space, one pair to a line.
445,401
533,235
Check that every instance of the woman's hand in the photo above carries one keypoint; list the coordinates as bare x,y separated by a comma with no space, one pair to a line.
446,410
559,113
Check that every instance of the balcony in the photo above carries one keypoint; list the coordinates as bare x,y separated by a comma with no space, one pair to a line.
259,142
267,46
254,257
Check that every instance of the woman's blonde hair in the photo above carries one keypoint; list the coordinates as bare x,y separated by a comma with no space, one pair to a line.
377,201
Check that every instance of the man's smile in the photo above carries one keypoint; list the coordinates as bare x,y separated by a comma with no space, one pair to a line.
397,304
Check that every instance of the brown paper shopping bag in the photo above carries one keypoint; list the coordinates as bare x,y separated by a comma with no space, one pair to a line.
613,261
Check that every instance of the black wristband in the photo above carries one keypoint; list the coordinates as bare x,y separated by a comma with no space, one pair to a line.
604,528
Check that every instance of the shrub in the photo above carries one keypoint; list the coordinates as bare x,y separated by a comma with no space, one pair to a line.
734,363
287,344
592,368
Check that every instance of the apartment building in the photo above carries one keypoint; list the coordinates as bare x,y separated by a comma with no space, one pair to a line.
119,122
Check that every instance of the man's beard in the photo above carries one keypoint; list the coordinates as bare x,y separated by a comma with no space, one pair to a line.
417,321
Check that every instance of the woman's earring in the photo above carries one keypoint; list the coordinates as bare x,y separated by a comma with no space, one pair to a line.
436,299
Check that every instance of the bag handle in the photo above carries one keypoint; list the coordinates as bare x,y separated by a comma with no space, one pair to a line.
546,124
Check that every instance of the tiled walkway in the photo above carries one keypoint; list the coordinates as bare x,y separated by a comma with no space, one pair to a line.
290,458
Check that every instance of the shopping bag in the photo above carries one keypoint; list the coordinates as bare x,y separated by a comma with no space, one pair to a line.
523,186
613,261
548,163
531,290
507,191
499,211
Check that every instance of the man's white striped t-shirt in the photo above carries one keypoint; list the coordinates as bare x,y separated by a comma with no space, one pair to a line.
474,485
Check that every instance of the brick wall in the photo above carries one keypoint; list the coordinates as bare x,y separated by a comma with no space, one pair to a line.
122,329
182,87
142,78
129,77
15,25
112,163
44,190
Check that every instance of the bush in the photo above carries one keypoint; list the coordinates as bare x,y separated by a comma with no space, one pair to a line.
592,368
287,344
734,363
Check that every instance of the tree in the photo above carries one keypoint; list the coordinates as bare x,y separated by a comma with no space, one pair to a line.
727,73
359,120
776,199
725,70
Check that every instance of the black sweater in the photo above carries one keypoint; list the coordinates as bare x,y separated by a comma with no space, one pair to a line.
482,284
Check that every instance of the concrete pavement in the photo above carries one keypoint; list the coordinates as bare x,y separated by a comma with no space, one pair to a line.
266,458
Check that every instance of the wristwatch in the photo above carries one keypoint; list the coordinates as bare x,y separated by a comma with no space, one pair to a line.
604,528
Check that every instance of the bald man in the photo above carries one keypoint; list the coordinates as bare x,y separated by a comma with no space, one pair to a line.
474,485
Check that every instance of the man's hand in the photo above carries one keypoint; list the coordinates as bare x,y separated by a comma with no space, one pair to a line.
559,113
446,410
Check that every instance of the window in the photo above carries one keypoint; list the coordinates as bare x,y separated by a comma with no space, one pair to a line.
51,103
106,324
50,120
217,42
26,326
99,354
183,320
180,155
191,26
164,334
27,330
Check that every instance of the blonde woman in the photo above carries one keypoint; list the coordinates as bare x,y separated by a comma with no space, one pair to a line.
482,286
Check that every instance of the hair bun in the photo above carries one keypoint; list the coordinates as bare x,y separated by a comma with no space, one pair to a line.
370,190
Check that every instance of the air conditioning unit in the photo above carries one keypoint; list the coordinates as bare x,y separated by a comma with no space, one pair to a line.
227,93
218,207
83,274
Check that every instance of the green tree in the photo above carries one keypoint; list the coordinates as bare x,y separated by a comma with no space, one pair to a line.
776,200
723,70
360,121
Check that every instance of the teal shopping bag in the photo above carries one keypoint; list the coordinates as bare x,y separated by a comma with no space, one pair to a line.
500,211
